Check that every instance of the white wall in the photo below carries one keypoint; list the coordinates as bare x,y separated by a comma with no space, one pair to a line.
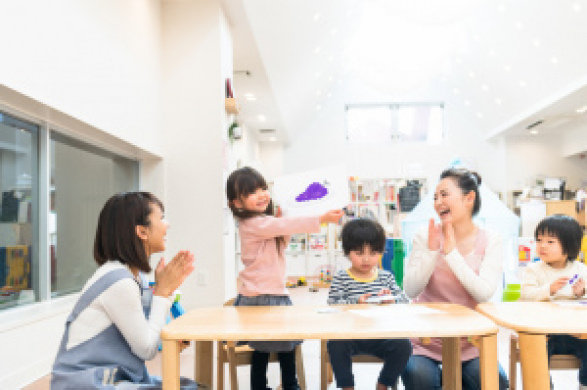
271,156
541,155
324,143
92,68
194,126
574,140
96,60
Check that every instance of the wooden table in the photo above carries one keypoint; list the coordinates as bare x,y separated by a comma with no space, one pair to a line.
447,321
533,321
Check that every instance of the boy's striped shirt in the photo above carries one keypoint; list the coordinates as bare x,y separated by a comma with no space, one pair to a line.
346,288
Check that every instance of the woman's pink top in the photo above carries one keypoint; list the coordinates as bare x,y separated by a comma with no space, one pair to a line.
443,286
264,271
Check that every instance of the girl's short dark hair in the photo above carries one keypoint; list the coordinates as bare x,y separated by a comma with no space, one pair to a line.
467,181
240,184
360,232
566,229
116,237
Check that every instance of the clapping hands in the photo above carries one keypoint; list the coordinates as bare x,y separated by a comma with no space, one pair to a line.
168,277
435,234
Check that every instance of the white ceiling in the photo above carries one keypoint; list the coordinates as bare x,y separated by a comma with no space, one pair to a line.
501,64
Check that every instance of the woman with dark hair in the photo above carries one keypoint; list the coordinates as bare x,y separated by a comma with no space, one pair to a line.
456,262
116,323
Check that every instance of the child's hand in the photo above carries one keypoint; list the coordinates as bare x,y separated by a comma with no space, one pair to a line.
433,236
579,287
386,291
169,277
363,298
558,284
332,216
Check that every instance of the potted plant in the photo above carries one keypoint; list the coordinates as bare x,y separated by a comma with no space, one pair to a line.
234,131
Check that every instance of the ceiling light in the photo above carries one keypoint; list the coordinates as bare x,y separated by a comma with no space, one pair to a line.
329,94
333,31
491,53
455,90
479,115
497,101
501,8
318,92
507,68
554,60
519,25
522,83
317,50
581,110
272,139
467,103
318,74
576,7
534,132
476,38
318,107
316,16
471,74
261,118
536,42
485,87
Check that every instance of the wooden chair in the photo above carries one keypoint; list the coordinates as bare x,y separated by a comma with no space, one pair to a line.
557,362
326,376
229,352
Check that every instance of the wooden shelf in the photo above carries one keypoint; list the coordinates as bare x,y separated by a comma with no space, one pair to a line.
231,106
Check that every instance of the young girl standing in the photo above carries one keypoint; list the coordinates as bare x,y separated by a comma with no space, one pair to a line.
558,242
262,282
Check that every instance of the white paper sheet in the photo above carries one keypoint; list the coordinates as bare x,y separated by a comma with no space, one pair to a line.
399,309
312,192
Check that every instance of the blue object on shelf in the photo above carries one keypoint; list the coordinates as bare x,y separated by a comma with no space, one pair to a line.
387,258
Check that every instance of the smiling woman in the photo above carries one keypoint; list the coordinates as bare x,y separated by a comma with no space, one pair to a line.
456,262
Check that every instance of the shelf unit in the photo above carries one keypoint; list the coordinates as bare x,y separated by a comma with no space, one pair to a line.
376,198
231,106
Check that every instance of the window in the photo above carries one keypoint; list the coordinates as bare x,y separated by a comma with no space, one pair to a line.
82,178
53,188
383,123
18,212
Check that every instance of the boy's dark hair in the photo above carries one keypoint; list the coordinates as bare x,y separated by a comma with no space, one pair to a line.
360,232
116,237
566,229
240,184
467,181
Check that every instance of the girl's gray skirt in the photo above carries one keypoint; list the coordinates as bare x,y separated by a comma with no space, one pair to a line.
268,300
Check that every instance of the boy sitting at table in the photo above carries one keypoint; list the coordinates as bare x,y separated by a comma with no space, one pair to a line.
558,275
363,242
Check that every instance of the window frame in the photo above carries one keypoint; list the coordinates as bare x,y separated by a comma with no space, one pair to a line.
395,134
47,305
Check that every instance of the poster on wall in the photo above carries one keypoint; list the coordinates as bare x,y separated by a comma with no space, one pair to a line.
312,192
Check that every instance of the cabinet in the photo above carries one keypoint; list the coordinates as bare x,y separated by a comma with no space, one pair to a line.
566,207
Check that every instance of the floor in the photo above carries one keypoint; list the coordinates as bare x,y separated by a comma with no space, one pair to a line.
365,374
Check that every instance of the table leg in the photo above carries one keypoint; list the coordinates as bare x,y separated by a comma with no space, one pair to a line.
170,365
534,360
323,365
204,369
451,363
488,362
